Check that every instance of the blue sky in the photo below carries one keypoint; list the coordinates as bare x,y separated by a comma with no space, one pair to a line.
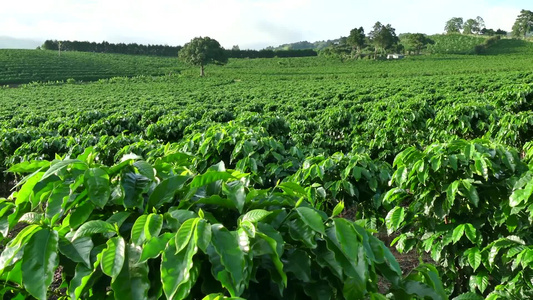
247,23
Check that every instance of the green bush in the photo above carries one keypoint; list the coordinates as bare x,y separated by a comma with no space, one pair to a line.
136,230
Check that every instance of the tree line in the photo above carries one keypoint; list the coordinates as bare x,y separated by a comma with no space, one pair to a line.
164,50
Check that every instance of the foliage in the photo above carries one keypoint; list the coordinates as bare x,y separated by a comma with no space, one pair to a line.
356,39
454,25
523,24
136,230
467,203
383,36
201,51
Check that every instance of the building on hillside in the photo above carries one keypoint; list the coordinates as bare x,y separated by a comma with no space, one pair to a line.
395,56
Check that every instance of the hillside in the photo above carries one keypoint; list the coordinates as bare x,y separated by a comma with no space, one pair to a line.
24,66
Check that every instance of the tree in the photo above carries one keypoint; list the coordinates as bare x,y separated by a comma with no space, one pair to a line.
472,26
356,39
523,24
417,41
201,52
454,25
383,37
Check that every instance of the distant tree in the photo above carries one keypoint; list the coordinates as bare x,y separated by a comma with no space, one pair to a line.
356,40
454,25
235,48
473,26
501,32
383,37
523,24
417,41
202,51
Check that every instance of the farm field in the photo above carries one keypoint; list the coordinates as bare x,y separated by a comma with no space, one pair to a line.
436,150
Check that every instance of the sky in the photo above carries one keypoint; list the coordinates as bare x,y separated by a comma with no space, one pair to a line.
250,24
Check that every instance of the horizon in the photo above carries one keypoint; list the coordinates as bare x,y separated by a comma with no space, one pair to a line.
250,25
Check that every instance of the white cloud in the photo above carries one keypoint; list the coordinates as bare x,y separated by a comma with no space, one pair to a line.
247,23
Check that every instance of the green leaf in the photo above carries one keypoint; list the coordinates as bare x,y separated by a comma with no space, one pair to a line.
297,262
209,177
57,166
469,296
39,262
231,257
394,219
145,169
113,257
164,191
474,257
479,281
153,226
57,201
293,189
312,219
185,233
337,210
92,227
81,214
202,235
137,231
235,192
274,255
29,166
458,232
97,182
155,246
78,250
178,270
471,232
471,192
134,185
26,191
13,251
80,282
132,282
255,215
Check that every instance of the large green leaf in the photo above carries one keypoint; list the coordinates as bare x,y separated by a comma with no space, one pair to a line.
479,281
275,256
155,246
235,192
337,210
145,169
39,262
312,219
458,232
226,245
255,215
97,183
471,192
29,166
132,282
394,219
57,166
78,250
134,185
177,270
210,177
184,234
113,257
92,227
146,227
164,191
57,200
14,249
81,214
474,257
298,262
